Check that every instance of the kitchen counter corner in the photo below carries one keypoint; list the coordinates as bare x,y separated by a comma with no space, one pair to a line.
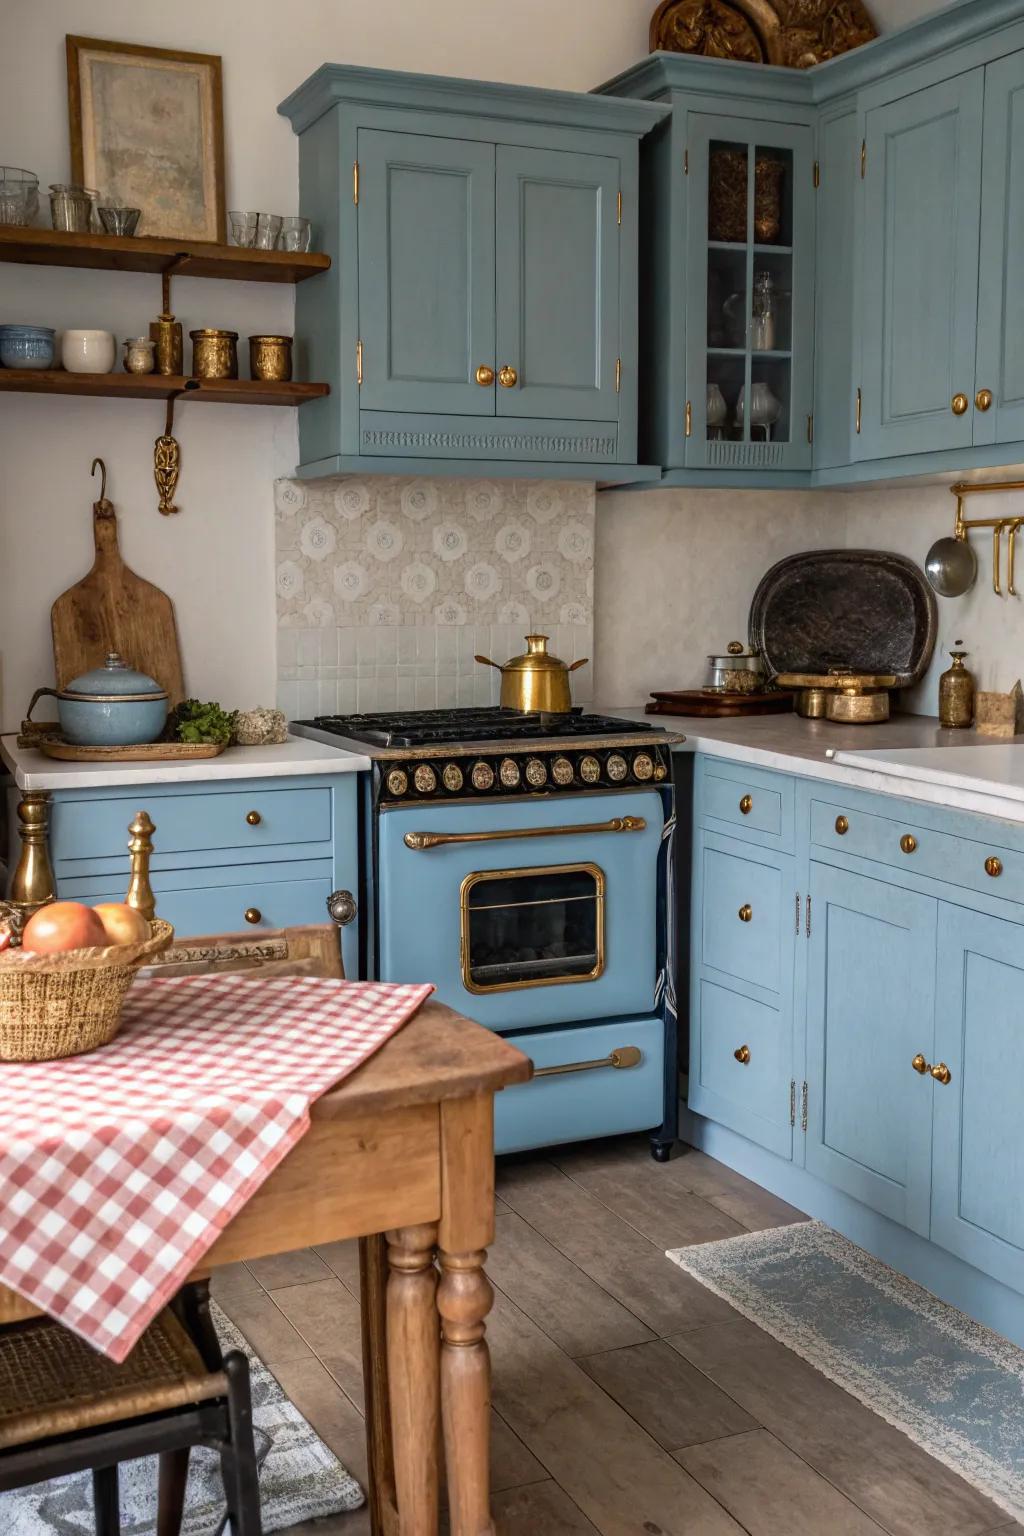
32,770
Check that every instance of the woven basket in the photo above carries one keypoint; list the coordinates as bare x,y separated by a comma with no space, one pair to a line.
62,1005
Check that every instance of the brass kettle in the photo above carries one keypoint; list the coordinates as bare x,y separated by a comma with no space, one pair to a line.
535,683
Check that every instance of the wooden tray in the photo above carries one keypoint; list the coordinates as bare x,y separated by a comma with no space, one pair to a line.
699,703
150,752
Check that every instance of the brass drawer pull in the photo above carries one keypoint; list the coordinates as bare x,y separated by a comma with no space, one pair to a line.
420,840
983,399
742,1054
939,1071
745,912
623,1057
908,843
993,866
746,805
959,404
253,915
842,825
254,818
485,375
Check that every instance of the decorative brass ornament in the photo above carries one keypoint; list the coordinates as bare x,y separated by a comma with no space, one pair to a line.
166,469
795,33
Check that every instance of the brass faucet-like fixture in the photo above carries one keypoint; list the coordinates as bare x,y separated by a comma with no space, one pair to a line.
999,526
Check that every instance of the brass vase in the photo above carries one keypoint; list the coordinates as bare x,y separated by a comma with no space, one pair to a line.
956,695
270,357
214,354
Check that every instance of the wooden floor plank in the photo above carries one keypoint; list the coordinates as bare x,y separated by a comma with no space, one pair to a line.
753,1207
342,1259
267,1329
677,1407
326,1315
280,1269
317,1398
571,1308
643,1194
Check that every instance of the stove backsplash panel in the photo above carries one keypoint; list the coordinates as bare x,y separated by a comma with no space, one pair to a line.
387,587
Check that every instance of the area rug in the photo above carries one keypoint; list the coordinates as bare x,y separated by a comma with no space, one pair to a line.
947,1382
300,1477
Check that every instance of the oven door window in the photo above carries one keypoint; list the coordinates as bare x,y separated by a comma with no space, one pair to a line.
532,927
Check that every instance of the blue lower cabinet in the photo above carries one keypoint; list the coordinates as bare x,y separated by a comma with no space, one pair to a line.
978,1146
617,1098
257,904
740,1053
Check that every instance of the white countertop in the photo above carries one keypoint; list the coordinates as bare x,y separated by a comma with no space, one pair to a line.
910,756
294,757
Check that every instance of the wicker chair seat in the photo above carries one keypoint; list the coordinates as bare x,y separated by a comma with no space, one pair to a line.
52,1382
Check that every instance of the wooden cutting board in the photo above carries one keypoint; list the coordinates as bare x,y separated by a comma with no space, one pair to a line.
112,609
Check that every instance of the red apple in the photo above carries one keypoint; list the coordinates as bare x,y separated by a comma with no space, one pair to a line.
121,923
62,925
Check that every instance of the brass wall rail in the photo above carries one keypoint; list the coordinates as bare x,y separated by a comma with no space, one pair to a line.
999,526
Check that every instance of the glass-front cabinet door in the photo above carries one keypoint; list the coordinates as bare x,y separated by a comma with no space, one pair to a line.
750,294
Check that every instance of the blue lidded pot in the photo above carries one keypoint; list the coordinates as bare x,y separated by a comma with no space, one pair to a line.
111,706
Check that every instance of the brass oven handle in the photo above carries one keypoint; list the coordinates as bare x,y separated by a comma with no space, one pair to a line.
624,1056
421,840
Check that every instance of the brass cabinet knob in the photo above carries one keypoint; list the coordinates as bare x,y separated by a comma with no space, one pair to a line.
746,805
341,905
941,1073
920,1064
993,866
842,825
507,377
908,843
253,915
745,912
485,375
254,818
959,404
742,1054
983,399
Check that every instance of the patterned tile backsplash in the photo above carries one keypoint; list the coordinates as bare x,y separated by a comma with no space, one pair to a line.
388,587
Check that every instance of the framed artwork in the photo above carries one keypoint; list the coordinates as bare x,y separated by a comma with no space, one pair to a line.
147,131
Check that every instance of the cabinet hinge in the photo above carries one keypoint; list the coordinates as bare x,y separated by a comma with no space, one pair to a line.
808,915
858,411
863,158
618,374
355,182
359,364
618,208
810,427
803,1108
686,162
792,1101
817,175
796,927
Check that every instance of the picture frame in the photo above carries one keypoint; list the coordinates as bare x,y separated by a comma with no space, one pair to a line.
147,131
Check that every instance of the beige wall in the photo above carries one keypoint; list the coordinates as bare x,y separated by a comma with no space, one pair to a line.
216,558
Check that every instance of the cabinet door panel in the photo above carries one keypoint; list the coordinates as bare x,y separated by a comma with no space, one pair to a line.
977,1204
1001,292
870,1004
558,283
426,258
921,216
743,918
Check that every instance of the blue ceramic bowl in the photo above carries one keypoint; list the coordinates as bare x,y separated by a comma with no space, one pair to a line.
26,346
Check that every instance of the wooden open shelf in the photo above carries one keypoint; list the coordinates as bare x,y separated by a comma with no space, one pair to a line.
185,258
157,386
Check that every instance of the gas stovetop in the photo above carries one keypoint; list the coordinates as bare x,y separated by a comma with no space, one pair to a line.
470,727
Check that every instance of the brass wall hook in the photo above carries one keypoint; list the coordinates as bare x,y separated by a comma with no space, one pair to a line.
999,526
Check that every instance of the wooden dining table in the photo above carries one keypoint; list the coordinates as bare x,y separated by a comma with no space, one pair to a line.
401,1156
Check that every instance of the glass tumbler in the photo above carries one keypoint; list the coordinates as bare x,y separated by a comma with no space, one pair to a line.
71,207
243,228
296,234
268,227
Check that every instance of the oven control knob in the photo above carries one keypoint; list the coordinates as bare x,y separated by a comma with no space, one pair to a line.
482,776
561,771
397,781
660,771
452,778
425,779
536,772
616,767
508,772
643,766
590,770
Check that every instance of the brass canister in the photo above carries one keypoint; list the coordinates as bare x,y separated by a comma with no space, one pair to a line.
956,694
214,354
165,332
270,357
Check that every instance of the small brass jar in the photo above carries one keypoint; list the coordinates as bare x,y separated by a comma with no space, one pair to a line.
270,357
165,331
214,354
956,694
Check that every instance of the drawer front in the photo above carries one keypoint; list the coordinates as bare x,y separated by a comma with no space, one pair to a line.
961,861
257,818
739,1069
754,804
741,918
223,908
600,1101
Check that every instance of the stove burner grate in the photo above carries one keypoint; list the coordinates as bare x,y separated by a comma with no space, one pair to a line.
457,727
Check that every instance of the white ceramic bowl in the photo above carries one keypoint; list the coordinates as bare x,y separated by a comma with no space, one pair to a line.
88,351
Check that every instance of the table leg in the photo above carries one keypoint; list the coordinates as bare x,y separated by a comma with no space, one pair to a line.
373,1277
413,1359
464,1299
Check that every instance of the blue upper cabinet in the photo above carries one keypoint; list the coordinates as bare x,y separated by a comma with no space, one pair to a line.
1000,365
480,314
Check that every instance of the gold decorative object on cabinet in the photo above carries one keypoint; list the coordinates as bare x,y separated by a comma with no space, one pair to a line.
993,866
745,912
956,694
507,376
959,403
920,1064
270,357
941,1073
842,825
908,843
253,818
746,805
140,851
485,375
742,1054
214,353
797,33
983,399
253,915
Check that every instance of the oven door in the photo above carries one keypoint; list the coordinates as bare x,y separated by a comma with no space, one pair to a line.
524,913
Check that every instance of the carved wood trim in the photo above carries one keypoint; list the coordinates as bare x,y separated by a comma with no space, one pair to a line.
795,33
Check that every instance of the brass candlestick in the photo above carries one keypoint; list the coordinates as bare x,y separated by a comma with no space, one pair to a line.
140,850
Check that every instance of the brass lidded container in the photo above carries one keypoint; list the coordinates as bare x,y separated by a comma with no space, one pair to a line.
536,682
956,694
270,357
165,332
214,354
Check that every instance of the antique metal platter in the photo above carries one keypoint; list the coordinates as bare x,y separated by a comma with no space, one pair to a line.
858,610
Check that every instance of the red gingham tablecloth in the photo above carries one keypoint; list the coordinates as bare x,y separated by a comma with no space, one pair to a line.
119,1169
